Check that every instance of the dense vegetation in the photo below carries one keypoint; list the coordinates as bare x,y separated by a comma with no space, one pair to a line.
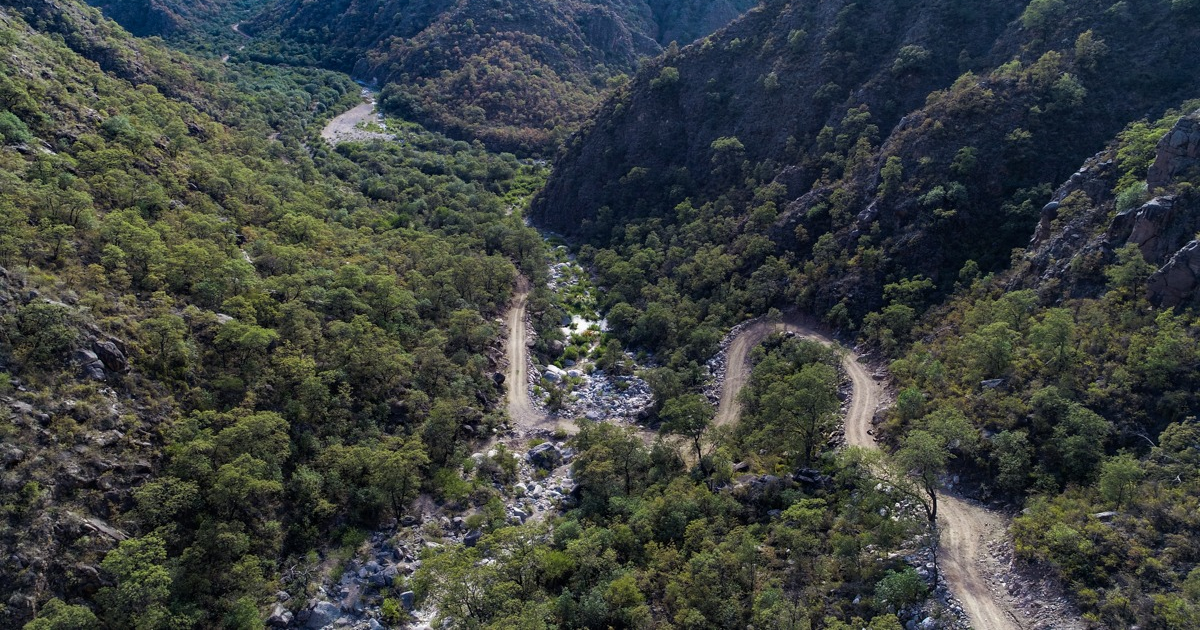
292,338
1093,413
228,349
927,136
519,76
654,544
1064,385
204,20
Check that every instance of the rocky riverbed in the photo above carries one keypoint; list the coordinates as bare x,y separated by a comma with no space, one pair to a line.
371,589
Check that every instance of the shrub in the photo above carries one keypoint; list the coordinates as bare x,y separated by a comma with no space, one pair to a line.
901,588
1131,197
393,613
667,77
13,130
910,59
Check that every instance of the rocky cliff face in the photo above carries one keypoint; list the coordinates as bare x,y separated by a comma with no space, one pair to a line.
1080,230
1178,153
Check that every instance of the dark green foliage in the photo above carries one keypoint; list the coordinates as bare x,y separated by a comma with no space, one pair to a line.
901,588
41,333
58,615
688,416
520,76
12,129
866,200
295,318
791,401
651,546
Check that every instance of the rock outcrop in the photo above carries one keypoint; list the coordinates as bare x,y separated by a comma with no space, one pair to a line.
1178,151
1175,283
1074,239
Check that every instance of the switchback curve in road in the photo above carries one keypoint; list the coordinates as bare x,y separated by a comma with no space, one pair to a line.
965,528
866,391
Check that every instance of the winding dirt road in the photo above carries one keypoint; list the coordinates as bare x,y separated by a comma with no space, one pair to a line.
236,29
965,528
866,391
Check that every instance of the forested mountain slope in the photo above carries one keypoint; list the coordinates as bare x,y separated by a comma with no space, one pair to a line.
864,142
221,343
1078,368
167,18
867,161
518,75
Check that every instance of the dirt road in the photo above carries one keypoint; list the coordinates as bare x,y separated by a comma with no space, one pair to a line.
737,372
236,29
963,555
965,528
524,415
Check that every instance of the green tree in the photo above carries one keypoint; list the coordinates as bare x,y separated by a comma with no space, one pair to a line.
13,130
924,456
901,588
1118,477
58,615
1053,337
1079,440
1013,456
44,332
925,452
990,350
1039,14
1130,270
166,345
398,470
798,410
688,416
441,430
143,585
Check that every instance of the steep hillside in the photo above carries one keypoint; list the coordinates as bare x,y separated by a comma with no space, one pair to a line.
865,162
220,341
162,17
1078,367
518,75
862,143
